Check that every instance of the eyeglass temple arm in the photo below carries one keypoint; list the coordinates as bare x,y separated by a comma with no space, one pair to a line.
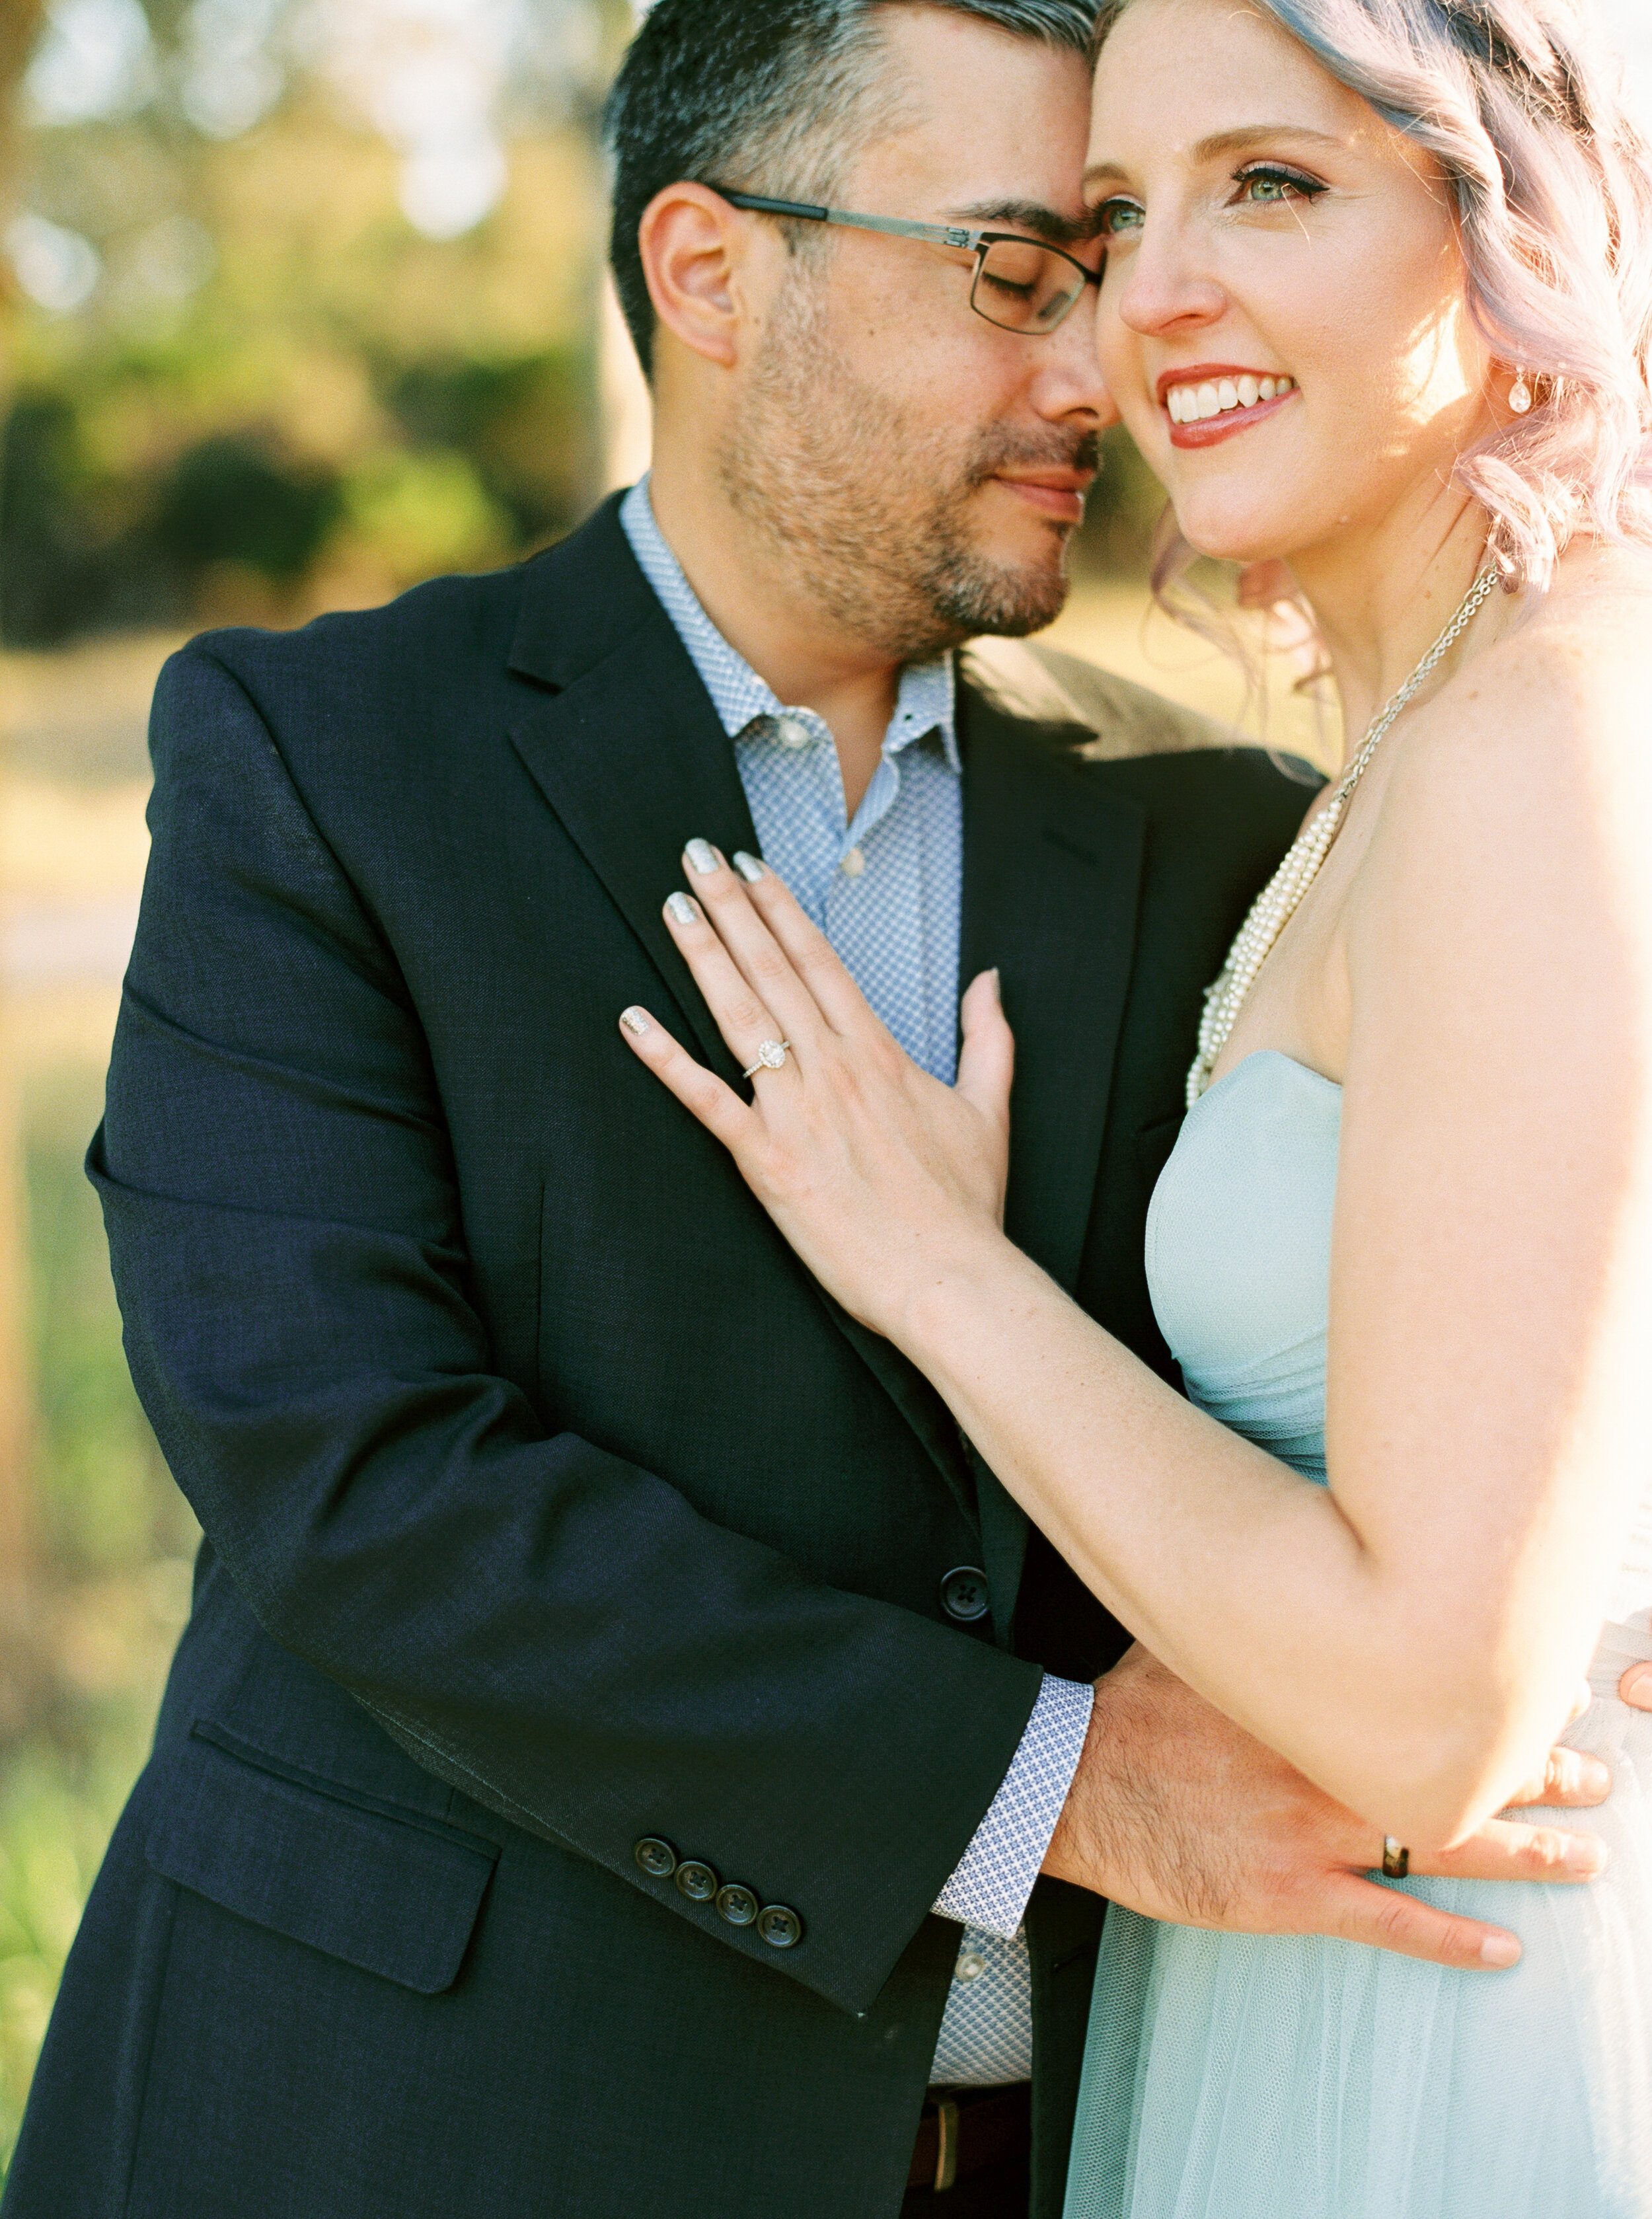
806,211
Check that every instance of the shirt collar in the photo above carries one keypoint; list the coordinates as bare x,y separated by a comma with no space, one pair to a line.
926,701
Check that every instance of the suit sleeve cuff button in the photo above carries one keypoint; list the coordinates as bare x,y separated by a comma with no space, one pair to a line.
781,1928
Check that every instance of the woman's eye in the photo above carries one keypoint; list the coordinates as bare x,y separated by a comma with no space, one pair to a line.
1264,188
1115,218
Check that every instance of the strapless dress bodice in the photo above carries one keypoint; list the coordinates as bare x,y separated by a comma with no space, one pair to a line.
1239,1252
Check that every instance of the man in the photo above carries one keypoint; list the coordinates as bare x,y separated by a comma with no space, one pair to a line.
605,1655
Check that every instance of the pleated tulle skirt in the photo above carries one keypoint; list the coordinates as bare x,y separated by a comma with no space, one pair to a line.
1267,2077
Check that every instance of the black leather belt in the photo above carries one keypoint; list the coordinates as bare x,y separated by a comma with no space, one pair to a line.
964,2130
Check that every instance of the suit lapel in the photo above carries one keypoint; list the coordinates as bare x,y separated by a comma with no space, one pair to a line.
1051,879
630,755
629,751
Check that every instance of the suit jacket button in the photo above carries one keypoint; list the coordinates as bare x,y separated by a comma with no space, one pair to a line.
697,1881
781,1928
657,1858
736,1903
964,1594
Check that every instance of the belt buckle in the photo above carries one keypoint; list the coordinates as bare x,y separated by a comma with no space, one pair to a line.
946,2140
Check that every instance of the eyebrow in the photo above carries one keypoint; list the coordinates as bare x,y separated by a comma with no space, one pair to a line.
1226,142
1034,216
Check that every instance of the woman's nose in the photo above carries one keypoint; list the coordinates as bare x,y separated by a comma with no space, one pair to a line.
1165,290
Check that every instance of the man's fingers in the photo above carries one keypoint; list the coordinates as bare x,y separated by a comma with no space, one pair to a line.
718,1108
1634,1688
1385,1918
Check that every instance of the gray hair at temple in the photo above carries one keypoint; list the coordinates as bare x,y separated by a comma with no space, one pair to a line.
772,96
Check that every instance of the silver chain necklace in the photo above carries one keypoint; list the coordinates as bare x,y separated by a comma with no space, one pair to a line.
1280,898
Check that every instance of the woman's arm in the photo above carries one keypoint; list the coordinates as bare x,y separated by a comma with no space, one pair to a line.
1411,1637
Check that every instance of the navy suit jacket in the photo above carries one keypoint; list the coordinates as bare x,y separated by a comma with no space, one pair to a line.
549,1505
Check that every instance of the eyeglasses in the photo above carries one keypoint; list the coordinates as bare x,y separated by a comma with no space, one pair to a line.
1020,283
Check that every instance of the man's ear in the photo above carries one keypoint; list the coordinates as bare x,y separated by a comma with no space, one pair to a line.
694,248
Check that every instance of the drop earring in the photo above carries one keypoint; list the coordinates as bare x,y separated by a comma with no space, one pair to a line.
1520,395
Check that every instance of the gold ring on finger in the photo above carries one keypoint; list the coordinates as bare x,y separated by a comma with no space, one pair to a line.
1396,1859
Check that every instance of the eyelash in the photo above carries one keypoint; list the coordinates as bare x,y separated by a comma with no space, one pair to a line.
1309,188
1299,184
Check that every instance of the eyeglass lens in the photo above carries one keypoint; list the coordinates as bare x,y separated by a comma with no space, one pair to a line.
1024,287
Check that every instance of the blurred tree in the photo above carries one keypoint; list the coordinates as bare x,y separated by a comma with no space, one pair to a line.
305,237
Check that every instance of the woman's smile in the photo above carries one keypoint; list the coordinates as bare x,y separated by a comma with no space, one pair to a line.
1212,401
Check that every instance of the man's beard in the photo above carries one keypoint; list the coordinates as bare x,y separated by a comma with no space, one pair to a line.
871,517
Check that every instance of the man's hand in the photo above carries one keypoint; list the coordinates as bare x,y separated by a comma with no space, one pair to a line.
1176,1813
1634,1688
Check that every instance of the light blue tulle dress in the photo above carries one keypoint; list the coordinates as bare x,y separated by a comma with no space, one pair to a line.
1235,2076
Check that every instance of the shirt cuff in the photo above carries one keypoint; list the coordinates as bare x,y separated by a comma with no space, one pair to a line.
995,1876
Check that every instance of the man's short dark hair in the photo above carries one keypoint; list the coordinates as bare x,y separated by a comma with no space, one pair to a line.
770,95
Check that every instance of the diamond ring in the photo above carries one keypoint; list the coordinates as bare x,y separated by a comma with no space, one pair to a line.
770,1056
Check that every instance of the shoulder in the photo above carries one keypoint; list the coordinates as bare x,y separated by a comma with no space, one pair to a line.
392,702
1555,708
1186,770
434,635
1042,685
1517,814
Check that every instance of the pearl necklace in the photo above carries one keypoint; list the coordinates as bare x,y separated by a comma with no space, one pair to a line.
1280,898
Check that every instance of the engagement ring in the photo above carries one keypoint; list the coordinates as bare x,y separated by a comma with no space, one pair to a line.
770,1056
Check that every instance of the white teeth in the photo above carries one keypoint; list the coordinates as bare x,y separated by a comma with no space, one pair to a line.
1194,404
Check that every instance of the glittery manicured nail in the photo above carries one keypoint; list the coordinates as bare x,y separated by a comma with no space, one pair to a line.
635,1021
701,857
749,867
682,909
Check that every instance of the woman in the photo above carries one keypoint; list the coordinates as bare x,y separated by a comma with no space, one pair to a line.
1376,304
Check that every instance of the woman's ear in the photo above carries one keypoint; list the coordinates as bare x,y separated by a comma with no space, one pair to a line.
693,244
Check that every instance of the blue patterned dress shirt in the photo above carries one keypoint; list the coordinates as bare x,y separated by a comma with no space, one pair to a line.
886,889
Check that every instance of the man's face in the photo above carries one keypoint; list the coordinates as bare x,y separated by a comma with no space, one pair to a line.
919,471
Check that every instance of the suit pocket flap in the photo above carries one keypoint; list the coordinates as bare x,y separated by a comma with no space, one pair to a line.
395,1895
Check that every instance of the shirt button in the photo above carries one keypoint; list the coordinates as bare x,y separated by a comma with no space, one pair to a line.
970,1966
791,734
964,1594
853,864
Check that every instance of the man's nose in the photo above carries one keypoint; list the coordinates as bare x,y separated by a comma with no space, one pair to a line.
1068,380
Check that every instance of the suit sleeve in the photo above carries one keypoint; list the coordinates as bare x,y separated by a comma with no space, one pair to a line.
549,1628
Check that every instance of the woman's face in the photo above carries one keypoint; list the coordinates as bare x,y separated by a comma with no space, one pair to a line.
1262,224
